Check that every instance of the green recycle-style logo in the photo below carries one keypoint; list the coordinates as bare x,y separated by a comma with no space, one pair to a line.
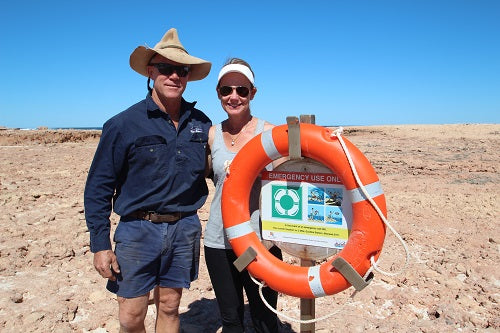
287,202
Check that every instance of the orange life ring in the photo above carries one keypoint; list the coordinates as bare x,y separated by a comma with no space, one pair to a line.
368,230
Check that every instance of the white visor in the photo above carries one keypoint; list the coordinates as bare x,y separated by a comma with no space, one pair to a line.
238,68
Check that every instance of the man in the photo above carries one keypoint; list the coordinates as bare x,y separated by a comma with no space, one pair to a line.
149,167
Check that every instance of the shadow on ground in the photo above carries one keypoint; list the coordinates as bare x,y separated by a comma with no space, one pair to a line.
203,317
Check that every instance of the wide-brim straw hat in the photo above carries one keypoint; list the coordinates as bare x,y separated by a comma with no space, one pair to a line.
171,48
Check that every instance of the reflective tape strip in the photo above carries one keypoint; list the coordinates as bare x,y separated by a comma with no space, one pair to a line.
315,282
239,230
267,142
373,189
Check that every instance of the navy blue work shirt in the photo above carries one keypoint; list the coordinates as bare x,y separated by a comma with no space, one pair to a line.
143,162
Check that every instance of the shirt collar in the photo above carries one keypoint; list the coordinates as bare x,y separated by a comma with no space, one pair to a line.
153,109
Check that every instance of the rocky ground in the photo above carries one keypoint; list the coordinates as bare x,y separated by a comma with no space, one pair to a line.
442,190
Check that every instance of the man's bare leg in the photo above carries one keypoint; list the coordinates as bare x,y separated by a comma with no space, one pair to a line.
132,312
167,302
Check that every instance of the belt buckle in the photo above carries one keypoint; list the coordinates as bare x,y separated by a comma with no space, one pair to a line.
150,216
168,217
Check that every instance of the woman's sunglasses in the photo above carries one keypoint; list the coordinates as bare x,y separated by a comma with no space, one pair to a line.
228,90
167,69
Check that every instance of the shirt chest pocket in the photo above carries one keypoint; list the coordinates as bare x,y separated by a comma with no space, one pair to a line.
198,144
199,137
150,150
194,152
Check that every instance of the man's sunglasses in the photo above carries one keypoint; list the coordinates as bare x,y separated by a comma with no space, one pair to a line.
228,90
167,69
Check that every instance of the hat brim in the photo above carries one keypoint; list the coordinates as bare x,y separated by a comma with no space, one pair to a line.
139,60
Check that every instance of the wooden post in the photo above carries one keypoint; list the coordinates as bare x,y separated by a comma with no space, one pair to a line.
294,152
307,306
308,118
299,163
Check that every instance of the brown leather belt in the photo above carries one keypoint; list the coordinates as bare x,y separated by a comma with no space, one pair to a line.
157,218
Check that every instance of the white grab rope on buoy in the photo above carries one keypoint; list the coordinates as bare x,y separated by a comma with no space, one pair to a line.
338,134
302,321
280,314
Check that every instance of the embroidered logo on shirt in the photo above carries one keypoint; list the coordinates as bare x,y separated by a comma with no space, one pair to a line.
196,129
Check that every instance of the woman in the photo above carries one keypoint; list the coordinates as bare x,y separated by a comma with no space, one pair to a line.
235,90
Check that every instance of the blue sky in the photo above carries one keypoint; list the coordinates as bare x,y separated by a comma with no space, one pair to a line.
65,63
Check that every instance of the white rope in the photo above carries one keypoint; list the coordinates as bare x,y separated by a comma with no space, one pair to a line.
338,134
304,321
300,321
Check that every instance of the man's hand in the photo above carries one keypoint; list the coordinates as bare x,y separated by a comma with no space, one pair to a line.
106,264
